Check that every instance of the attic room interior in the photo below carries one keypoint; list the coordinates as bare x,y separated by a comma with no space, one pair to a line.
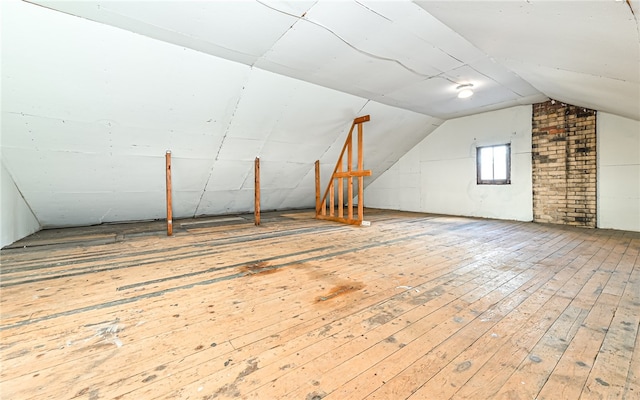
324,199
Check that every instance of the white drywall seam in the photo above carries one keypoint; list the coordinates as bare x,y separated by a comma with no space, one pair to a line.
17,220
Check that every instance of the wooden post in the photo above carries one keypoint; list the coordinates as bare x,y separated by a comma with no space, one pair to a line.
350,178
331,198
340,173
360,178
340,192
317,187
169,210
257,191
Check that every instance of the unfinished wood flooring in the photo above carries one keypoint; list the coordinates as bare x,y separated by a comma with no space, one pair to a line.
415,306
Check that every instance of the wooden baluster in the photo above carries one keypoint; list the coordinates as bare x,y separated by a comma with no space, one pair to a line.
350,178
340,193
331,199
360,177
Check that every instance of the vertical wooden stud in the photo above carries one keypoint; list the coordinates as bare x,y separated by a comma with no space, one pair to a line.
360,151
360,177
317,187
332,198
169,205
340,192
350,178
257,191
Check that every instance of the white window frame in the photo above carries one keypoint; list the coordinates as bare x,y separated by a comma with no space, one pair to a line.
488,177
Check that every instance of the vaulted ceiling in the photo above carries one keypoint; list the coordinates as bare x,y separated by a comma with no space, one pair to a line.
94,92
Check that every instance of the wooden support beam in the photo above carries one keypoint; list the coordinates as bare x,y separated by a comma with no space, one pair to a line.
340,159
350,178
169,201
337,219
359,120
360,177
360,151
257,191
331,200
366,172
340,191
339,174
317,187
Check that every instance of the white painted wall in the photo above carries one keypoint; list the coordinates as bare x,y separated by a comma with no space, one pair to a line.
89,111
16,219
439,174
618,172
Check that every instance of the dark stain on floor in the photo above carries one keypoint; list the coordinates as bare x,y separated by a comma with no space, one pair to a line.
380,319
259,268
231,389
339,291
463,366
315,396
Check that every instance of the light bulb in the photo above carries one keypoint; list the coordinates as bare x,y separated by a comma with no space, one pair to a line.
465,91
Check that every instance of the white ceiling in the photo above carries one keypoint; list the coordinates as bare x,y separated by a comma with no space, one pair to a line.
585,53
88,109
412,54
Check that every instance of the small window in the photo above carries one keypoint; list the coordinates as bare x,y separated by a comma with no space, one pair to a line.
494,165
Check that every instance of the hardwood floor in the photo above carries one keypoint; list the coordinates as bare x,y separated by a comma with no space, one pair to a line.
415,306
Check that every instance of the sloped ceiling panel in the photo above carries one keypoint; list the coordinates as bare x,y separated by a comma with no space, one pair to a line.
412,54
285,122
376,50
581,52
297,124
382,51
89,111
235,30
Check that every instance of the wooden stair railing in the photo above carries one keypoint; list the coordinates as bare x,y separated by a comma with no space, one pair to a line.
336,208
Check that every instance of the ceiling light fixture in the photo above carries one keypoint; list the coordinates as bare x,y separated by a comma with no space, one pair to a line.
465,91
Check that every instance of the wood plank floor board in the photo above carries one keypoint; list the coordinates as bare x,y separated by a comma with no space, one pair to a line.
514,347
123,338
492,306
570,374
583,290
627,320
414,306
385,313
342,373
507,361
482,348
330,359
